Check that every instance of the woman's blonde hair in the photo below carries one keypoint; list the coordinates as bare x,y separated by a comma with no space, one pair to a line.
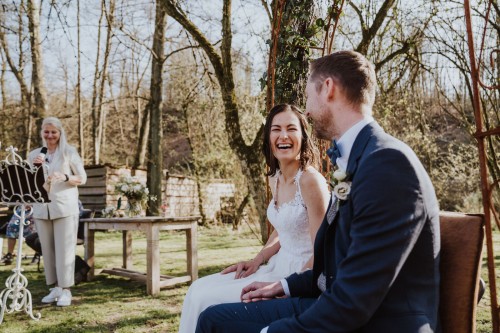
64,148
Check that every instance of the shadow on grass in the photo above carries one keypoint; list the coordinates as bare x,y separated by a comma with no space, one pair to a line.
150,319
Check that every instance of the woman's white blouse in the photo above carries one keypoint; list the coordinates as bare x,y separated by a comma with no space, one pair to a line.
63,195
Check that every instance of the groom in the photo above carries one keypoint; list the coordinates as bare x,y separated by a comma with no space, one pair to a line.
376,255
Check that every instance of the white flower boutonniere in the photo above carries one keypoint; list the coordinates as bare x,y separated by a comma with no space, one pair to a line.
341,186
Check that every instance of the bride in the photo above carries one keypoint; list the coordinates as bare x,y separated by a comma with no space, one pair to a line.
300,199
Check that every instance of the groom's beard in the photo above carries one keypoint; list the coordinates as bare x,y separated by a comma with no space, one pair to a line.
323,124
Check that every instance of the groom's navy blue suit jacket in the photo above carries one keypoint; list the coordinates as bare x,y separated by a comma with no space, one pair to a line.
381,253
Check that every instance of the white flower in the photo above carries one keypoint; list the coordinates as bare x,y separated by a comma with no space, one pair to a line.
339,174
342,190
137,188
124,188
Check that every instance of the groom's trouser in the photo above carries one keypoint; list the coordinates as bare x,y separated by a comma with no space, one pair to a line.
249,317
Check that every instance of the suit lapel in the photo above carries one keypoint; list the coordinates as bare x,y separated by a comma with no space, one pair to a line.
357,150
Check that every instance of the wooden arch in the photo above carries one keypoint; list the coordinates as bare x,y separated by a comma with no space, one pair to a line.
482,134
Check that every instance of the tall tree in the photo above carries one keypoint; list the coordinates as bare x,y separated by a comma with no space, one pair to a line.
249,154
79,86
97,74
18,71
98,88
100,115
155,160
3,91
37,72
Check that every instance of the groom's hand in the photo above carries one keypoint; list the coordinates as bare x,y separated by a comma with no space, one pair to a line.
258,291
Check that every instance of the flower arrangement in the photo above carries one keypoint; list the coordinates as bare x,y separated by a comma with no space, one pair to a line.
135,191
341,186
132,188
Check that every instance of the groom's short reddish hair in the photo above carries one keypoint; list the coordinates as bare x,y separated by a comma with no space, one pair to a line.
354,73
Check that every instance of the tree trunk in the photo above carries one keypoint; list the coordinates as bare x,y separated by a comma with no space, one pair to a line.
239,212
2,81
37,73
99,111
79,87
143,138
155,160
292,63
95,113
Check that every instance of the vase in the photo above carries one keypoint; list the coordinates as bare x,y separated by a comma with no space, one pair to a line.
134,208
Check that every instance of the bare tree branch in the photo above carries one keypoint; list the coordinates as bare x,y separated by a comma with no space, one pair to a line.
402,50
370,33
268,11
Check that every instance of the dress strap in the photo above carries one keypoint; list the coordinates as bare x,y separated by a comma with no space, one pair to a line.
275,194
297,181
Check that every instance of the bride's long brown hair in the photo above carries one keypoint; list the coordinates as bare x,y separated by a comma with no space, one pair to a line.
309,154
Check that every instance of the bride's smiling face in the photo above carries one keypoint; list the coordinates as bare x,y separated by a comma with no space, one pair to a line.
285,137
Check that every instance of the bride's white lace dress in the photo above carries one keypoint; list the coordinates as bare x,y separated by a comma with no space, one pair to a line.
291,222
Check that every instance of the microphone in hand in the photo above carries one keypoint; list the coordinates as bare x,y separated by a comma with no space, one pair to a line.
41,156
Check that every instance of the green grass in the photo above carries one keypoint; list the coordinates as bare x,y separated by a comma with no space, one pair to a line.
114,304
483,320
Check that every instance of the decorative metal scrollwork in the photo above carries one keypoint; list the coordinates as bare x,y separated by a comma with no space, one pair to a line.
16,296
21,186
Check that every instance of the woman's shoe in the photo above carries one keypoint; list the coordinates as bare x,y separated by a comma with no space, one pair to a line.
65,298
53,296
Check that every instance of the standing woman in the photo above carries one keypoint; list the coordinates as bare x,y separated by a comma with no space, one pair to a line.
57,221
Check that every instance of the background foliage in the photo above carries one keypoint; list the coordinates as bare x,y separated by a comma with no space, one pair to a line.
418,47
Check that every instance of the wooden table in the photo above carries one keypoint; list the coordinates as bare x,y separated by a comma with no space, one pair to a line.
151,225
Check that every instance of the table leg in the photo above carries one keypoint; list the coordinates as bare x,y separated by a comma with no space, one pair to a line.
192,251
127,249
89,250
153,260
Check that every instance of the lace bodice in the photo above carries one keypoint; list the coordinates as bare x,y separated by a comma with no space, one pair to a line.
292,224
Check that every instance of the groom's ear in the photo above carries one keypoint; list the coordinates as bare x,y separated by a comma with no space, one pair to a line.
331,88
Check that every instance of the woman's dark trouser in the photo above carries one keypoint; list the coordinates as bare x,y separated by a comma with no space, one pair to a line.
249,317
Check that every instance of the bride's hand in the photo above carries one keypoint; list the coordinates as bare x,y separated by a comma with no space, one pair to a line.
244,268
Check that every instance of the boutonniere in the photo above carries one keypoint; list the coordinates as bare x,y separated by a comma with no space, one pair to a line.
340,184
